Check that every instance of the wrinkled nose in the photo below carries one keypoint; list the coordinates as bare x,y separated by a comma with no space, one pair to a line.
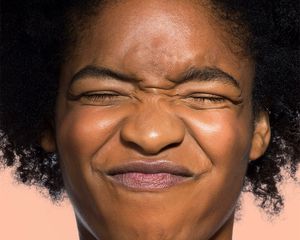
152,130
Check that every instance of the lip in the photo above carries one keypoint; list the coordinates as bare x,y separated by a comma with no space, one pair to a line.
149,175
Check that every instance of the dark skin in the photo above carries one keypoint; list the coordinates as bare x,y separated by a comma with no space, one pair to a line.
162,84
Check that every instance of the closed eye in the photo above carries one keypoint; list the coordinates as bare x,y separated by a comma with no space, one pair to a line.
208,99
93,97
103,98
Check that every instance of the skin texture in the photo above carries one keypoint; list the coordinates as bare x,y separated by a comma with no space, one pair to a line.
205,125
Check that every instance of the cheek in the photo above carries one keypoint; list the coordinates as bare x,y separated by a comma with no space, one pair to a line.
223,135
220,133
224,138
82,131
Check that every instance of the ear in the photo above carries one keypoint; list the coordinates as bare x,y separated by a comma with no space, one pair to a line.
47,140
261,136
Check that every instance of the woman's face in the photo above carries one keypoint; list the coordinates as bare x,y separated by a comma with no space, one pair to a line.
154,124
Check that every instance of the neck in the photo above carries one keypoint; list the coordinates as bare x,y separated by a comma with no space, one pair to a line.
224,233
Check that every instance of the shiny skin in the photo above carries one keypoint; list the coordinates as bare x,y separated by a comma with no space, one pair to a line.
207,126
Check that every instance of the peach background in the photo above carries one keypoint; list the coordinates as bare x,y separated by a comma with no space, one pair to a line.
26,215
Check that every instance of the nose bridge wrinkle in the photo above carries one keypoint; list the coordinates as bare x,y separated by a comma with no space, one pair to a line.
153,127
155,86
151,82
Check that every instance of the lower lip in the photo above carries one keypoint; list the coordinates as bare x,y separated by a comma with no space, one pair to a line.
151,181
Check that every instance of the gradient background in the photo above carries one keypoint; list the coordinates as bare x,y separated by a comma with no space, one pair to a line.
26,215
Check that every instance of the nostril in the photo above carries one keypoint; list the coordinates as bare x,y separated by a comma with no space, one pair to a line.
132,145
172,145
146,149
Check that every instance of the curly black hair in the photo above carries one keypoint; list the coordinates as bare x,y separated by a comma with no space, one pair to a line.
35,39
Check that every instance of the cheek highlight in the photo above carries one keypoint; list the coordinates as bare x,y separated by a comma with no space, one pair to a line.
84,132
79,132
222,136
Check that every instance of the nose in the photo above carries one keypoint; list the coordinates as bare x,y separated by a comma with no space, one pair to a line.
152,130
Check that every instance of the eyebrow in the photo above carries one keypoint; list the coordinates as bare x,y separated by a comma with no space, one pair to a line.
207,74
192,74
101,72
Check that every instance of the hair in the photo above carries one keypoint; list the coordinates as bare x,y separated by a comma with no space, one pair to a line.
36,36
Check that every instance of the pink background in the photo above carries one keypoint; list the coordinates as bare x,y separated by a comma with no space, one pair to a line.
26,215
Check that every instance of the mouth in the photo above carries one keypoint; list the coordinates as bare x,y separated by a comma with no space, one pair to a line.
149,175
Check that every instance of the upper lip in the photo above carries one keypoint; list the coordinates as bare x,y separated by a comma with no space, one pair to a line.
148,167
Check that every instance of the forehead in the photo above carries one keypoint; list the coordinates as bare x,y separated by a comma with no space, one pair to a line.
161,38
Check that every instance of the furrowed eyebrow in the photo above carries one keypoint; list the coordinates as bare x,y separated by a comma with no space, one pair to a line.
192,74
100,72
207,74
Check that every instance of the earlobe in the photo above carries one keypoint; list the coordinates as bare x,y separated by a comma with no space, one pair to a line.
47,140
261,136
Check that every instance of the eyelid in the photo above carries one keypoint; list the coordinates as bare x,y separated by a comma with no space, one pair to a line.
96,96
99,98
73,96
210,89
211,97
203,94
214,98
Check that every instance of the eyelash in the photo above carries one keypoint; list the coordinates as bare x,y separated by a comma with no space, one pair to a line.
212,99
110,97
100,96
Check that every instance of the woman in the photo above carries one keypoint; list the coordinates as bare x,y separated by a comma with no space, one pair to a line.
152,115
